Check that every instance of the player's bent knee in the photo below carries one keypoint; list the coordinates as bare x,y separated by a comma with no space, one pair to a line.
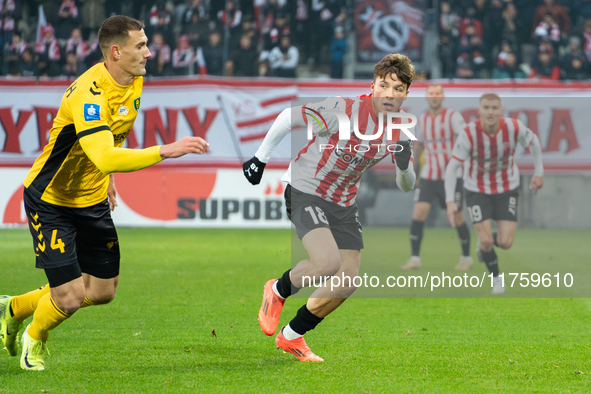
70,303
330,268
342,292
103,299
420,215
344,284
505,243
328,265
348,291
486,244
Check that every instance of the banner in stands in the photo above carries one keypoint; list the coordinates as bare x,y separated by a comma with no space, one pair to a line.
232,120
390,26
176,197
234,116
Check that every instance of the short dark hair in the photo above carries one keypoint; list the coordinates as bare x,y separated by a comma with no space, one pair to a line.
437,85
397,64
115,30
490,96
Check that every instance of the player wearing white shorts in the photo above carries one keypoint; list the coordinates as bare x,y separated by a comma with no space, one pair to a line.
437,128
491,177
320,196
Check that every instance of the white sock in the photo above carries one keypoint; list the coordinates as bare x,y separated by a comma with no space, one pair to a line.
276,291
290,334
415,258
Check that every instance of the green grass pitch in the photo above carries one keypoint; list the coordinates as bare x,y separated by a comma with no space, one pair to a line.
180,286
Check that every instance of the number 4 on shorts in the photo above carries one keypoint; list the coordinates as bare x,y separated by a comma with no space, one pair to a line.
56,243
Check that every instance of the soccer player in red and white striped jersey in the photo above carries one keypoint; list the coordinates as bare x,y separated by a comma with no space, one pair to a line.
436,131
486,147
320,197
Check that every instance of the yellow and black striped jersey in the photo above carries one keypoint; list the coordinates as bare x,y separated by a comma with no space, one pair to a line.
64,174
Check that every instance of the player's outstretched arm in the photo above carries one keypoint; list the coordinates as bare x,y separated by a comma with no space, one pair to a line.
183,146
417,150
253,168
112,193
460,153
405,179
450,188
100,149
405,175
537,181
452,209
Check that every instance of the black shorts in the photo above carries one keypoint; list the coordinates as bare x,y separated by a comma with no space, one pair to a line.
492,206
308,212
83,237
429,190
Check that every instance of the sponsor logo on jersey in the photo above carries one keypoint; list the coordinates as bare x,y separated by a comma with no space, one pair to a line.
92,112
95,93
136,104
71,89
123,110
120,137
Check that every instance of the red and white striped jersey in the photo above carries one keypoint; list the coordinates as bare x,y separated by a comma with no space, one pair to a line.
182,57
437,135
489,166
78,46
49,47
332,168
160,52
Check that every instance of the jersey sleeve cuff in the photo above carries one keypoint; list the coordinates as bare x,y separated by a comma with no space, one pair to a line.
314,114
157,153
86,132
304,115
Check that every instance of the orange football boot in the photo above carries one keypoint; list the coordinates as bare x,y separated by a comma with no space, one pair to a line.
297,347
270,309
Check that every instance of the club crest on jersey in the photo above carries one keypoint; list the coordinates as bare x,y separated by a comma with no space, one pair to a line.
136,104
123,110
92,112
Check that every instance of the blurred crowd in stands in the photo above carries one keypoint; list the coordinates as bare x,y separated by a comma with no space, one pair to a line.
186,37
537,39
541,39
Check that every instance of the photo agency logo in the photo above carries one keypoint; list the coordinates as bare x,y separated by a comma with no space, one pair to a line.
365,142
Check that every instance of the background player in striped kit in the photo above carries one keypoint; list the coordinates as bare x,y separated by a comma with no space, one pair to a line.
491,177
320,196
436,131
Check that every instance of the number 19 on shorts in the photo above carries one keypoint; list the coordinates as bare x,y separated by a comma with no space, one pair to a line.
475,213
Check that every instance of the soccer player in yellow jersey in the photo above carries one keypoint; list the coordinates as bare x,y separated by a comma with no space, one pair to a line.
69,191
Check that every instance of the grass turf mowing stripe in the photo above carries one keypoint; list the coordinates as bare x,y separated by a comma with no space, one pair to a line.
178,286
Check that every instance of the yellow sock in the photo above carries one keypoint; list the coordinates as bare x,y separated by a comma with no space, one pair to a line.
47,317
24,305
87,302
